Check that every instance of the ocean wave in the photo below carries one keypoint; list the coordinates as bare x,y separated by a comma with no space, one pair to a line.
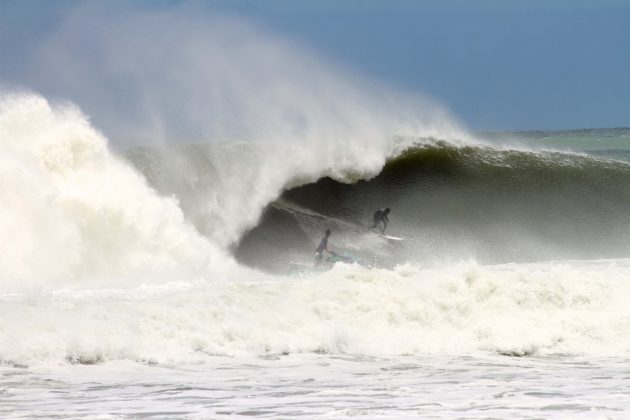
450,201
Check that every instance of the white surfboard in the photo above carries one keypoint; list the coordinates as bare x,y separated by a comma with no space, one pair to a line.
390,237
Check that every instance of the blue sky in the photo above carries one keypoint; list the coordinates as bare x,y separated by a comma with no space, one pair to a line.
494,64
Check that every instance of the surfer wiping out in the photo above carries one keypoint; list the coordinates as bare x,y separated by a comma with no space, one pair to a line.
380,216
323,246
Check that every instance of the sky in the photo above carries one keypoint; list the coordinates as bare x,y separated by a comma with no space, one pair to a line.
496,65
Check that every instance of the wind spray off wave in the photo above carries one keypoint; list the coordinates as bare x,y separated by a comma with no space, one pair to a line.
81,217
274,113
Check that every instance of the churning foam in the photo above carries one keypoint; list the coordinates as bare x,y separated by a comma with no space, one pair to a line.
539,309
71,213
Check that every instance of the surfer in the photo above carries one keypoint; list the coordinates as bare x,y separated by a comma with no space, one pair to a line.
380,216
323,246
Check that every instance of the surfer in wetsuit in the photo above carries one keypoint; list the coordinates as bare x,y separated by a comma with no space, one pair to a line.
380,216
323,246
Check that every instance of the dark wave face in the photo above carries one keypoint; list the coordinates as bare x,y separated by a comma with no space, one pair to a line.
451,203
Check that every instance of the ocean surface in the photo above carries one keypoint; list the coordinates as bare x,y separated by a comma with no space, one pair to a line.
178,281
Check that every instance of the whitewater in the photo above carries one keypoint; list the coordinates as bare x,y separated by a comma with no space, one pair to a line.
109,294
173,277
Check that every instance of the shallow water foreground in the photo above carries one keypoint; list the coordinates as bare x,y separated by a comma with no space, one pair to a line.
324,386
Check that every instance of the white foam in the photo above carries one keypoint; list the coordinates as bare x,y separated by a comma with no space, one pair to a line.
73,213
540,309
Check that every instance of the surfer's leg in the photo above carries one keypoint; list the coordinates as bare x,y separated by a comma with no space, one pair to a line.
319,256
375,223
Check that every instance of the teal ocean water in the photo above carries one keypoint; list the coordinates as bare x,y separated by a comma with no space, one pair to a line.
610,142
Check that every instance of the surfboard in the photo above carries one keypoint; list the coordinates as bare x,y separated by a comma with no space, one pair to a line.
389,237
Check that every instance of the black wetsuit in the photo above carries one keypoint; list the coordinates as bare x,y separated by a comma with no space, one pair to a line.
319,251
380,216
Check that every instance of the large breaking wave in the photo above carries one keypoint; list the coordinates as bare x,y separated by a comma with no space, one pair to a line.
452,200
115,270
134,254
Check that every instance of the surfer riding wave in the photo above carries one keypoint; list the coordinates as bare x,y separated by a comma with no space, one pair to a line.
380,217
